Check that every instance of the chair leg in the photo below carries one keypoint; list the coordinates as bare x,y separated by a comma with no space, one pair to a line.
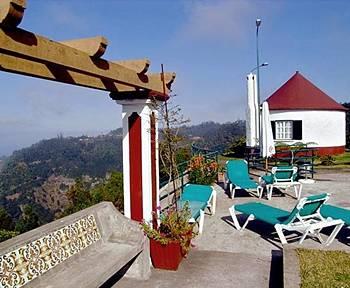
201,222
230,188
279,231
313,232
213,206
334,233
234,217
259,190
250,217
234,192
296,191
306,232
269,189
299,190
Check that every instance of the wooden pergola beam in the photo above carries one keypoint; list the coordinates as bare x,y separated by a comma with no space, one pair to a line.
56,73
94,46
28,46
11,12
139,65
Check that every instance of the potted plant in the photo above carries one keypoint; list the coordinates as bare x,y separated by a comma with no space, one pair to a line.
170,240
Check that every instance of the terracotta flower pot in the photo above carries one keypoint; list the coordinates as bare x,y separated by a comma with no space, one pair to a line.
167,256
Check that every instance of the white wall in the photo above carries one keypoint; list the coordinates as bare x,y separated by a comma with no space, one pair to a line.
326,128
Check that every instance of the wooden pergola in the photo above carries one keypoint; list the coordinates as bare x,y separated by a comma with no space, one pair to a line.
78,62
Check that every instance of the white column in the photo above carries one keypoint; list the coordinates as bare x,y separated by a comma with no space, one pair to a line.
144,108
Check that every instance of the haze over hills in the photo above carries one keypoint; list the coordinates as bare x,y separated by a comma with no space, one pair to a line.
41,174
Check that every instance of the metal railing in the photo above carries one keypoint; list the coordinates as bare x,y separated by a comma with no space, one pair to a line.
303,158
166,187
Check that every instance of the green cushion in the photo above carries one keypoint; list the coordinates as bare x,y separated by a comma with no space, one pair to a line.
311,208
268,179
336,213
264,212
281,174
237,173
195,207
321,196
195,192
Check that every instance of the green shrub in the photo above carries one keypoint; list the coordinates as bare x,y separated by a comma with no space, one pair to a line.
82,196
202,171
327,160
237,148
5,234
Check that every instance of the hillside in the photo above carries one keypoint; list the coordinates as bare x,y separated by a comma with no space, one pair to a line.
2,161
41,174
214,136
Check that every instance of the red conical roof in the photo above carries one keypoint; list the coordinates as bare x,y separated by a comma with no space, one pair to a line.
298,93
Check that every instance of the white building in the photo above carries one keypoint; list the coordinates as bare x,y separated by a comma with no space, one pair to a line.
301,112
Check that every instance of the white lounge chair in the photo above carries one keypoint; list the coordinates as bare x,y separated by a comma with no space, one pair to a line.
304,218
281,177
198,197
237,177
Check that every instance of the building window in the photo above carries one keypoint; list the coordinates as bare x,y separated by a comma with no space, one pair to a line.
287,130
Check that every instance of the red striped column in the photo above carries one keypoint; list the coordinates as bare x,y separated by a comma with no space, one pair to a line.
135,164
140,158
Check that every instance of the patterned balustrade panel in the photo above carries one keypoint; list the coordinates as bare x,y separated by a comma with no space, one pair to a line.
28,262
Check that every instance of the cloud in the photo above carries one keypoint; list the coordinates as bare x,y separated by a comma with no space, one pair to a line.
47,100
10,123
63,14
222,20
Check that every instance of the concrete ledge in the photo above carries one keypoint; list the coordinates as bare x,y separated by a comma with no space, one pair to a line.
291,269
84,249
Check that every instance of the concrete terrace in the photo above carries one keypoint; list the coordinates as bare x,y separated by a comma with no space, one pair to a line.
225,257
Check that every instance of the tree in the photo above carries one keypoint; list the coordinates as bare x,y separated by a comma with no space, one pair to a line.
237,148
110,190
29,220
79,197
82,196
5,220
79,194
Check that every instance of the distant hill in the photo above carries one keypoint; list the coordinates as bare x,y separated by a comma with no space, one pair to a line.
2,161
214,136
41,174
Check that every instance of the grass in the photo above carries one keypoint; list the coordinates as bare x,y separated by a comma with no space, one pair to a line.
341,161
324,268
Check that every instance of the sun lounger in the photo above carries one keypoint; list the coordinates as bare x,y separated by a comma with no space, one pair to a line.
237,177
304,218
199,197
336,212
281,177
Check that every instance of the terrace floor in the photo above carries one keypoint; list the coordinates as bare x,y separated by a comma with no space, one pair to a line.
225,257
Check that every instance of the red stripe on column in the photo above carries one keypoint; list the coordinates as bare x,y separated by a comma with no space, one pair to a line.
135,162
153,166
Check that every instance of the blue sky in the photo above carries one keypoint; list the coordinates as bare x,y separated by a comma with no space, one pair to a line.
209,44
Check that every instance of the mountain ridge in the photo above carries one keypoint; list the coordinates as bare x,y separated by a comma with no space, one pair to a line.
41,174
